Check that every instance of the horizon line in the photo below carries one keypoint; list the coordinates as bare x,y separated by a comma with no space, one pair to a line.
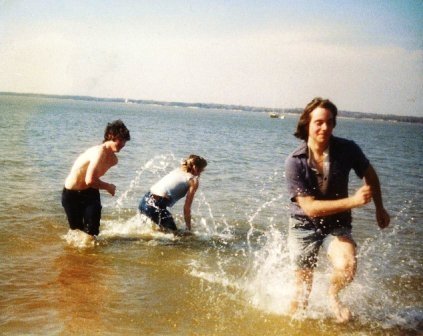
215,105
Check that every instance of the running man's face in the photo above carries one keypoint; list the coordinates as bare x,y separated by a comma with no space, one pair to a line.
321,125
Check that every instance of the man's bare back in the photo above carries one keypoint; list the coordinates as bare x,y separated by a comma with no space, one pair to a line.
90,166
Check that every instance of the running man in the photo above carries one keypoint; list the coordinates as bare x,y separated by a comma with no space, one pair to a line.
317,180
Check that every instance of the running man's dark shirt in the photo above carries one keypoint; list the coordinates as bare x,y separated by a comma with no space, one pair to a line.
301,180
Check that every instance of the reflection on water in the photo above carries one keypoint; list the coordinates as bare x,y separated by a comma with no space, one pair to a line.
83,296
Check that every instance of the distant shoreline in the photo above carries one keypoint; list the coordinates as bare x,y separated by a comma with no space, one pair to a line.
288,111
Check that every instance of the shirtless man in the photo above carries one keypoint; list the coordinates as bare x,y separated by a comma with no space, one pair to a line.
81,196
317,175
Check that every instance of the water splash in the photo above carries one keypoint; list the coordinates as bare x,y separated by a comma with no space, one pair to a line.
255,262
136,227
390,273
157,166
264,278
249,257
205,225
79,239
269,285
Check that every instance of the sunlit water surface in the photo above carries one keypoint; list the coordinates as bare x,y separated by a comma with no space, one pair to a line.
233,276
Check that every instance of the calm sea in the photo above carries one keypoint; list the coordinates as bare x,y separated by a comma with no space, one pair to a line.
233,276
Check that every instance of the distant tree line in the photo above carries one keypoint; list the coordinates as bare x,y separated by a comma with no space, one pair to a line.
347,114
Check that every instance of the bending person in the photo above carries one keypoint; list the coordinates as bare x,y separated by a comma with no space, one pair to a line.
171,188
317,180
81,196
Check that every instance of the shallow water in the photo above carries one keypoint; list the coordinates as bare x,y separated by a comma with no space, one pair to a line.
232,277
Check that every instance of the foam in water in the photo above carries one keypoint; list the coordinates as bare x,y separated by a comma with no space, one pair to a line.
138,226
79,239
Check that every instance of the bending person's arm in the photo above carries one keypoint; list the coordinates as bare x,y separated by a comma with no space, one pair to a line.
193,186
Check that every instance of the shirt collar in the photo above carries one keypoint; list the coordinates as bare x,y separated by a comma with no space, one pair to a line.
302,149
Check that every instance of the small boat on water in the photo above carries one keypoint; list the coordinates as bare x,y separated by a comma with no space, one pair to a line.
276,115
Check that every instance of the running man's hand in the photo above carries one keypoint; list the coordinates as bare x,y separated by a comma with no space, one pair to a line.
382,218
363,195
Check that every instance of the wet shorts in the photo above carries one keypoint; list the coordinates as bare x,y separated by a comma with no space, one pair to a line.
155,208
304,242
83,209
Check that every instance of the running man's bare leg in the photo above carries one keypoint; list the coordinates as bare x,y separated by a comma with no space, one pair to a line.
342,254
303,285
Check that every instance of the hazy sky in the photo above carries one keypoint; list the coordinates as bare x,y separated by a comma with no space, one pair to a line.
366,56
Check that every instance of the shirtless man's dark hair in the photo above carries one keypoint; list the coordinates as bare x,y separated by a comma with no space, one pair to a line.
116,129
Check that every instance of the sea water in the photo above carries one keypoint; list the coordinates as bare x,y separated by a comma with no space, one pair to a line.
233,275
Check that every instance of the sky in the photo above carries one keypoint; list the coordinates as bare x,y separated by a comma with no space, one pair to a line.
366,56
